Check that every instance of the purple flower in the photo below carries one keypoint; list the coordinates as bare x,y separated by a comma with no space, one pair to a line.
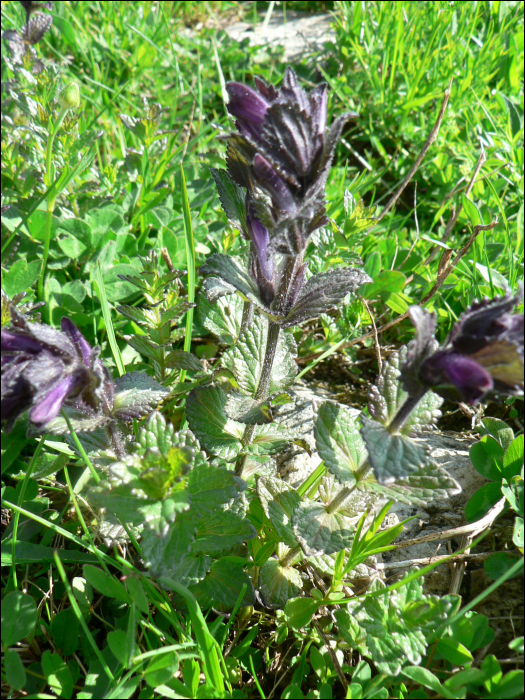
281,155
42,369
483,355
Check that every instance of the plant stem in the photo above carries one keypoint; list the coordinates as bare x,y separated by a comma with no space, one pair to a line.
51,197
247,316
291,557
343,494
115,436
281,304
404,412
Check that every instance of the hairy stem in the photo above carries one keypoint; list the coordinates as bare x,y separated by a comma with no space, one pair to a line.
282,304
247,316
291,557
404,412
360,474
115,437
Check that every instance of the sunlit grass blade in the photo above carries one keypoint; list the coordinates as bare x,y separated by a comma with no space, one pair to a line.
205,641
106,314
190,262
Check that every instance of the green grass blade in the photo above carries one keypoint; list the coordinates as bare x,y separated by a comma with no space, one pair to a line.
205,641
190,261
107,320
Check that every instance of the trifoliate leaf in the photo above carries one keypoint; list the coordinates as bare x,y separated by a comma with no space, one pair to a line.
339,442
391,457
136,395
232,198
388,396
246,358
222,317
277,583
418,489
217,433
279,502
218,533
320,532
322,292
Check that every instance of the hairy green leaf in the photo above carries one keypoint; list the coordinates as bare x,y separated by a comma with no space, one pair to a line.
392,457
277,584
320,532
217,433
279,502
246,358
339,442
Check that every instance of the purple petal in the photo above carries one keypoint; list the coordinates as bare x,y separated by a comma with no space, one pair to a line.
81,344
319,99
246,104
49,406
275,185
12,342
469,378
261,240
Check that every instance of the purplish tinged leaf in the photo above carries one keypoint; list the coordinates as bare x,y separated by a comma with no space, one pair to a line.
388,396
245,359
322,292
279,502
391,457
232,198
229,277
277,584
339,442
216,432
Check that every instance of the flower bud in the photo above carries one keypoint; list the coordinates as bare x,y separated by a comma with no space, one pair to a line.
69,98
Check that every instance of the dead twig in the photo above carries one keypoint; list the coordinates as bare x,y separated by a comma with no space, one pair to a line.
473,529
333,656
457,210
376,339
430,140
458,558
417,229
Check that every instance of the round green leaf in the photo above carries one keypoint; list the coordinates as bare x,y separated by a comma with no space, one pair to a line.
19,616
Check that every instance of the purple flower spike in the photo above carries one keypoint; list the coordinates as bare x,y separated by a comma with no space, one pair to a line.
482,357
261,240
275,185
81,344
248,106
282,151
44,369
